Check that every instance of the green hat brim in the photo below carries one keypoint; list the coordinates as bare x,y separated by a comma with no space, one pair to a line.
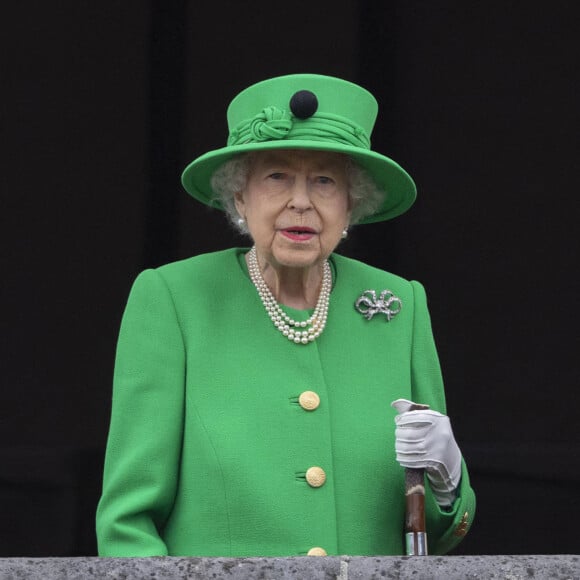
387,174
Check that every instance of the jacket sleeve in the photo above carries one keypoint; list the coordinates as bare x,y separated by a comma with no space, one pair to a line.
445,528
144,444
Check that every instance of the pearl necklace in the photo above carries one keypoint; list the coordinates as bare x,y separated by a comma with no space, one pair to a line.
287,326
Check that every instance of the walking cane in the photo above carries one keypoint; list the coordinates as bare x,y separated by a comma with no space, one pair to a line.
415,528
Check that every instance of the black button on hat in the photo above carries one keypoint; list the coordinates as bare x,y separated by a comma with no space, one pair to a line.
303,104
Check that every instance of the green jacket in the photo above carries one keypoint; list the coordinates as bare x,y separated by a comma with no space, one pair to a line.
209,445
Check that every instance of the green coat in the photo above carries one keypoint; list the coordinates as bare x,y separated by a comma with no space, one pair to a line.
209,446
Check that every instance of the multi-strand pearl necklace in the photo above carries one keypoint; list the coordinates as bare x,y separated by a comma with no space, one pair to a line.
300,332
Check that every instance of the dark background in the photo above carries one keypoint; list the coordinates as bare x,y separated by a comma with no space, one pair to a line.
104,103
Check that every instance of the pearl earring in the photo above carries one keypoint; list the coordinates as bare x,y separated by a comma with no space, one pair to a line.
344,234
241,221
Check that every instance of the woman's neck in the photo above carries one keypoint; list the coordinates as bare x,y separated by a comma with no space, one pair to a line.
297,288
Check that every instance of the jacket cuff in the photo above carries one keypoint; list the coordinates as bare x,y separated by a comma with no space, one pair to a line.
459,516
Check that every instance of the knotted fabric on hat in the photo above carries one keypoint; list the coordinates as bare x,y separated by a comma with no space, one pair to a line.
271,123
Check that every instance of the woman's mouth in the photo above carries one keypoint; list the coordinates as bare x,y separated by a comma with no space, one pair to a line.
298,233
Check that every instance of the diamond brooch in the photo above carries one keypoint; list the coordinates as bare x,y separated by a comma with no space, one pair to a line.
387,303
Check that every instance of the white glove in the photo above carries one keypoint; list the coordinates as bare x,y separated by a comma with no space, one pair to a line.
424,439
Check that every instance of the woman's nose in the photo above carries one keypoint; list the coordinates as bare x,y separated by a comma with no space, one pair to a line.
300,195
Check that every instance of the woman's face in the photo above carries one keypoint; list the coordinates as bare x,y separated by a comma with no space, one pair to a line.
296,205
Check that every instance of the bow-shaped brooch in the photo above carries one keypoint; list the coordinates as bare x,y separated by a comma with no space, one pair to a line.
387,303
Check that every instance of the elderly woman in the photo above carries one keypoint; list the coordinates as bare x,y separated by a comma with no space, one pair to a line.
252,393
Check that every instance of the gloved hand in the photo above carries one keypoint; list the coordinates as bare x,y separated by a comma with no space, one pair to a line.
424,439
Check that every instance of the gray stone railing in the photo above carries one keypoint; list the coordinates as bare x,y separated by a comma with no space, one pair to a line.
565,567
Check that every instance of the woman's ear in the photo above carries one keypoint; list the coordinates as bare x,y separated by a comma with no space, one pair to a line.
240,205
349,216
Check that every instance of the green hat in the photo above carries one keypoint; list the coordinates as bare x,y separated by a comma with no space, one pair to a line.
305,111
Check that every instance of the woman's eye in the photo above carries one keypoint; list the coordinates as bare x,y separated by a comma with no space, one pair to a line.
324,180
277,175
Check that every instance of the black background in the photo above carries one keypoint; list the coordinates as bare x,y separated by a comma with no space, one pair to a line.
104,103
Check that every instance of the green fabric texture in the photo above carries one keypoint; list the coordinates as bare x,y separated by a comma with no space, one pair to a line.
208,445
260,119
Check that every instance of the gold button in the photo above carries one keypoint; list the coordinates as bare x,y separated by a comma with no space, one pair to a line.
315,476
462,527
309,400
316,552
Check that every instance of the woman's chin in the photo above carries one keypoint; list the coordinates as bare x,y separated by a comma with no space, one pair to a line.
298,255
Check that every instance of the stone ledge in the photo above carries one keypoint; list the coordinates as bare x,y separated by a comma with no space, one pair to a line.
565,567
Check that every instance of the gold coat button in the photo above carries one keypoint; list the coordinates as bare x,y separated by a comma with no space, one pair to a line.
309,400
315,476
463,526
316,552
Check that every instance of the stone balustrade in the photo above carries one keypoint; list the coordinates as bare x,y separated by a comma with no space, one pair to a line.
538,567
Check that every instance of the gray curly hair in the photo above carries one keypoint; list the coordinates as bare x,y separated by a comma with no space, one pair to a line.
232,176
